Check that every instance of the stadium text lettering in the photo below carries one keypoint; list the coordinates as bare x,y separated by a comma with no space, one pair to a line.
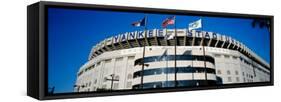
161,33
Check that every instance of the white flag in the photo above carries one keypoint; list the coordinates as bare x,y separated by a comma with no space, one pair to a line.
195,25
169,36
163,57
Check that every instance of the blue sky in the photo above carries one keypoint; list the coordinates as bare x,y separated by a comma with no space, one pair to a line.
73,32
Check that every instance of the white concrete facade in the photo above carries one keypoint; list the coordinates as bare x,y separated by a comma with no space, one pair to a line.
226,61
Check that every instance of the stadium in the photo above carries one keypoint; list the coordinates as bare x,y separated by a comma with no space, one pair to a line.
162,58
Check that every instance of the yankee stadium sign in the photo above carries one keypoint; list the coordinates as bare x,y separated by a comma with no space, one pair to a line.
162,33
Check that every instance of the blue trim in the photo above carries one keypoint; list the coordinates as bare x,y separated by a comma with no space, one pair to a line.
180,83
168,70
172,57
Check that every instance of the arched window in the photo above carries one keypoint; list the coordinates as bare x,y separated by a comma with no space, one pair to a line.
104,79
228,72
95,82
129,84
117,77
115,85
236,72
219,71
130,76
90,83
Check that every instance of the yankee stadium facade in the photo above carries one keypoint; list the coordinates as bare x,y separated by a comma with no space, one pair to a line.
118,62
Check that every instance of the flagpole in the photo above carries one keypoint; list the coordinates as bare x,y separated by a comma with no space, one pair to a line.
191,56
166,69
166,38
143,54
176,70
204,53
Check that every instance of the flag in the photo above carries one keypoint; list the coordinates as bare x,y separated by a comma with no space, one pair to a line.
168,21
142,22
169,36
195,25
163,57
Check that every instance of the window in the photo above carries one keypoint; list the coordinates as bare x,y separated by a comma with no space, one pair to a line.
131,57
89,68
226,56
119,59
83,86
219,71
236,72
129,84
234,57
237,79
108,61
95,82
130,76
228,72
90,83
115,85
229,79
217,55
80,73
104,79
116,77
98,63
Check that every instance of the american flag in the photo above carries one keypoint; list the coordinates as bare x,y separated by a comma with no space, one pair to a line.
168,21
142,22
